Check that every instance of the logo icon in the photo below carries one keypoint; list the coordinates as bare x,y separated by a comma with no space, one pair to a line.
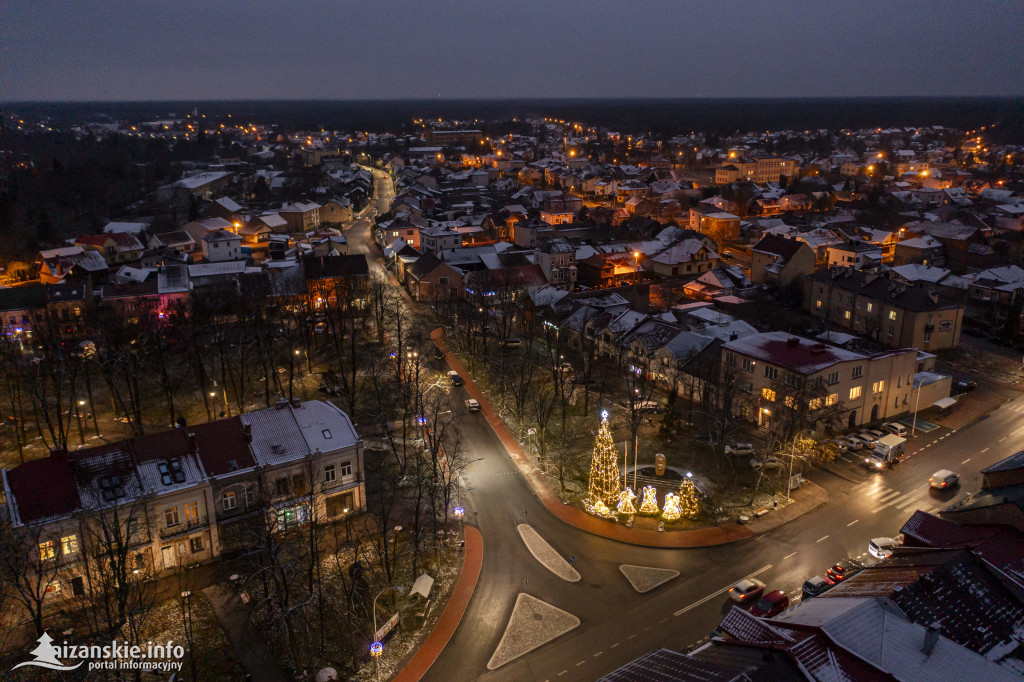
46,656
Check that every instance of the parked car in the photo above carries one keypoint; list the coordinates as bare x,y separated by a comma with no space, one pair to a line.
816,585
454,377
943,479
746,590
513,343
867,438
877,433
472,405
320,328
838,443
853,443
966,385
895,429
765,463
881,548
844,569
771,604
739,449
647,406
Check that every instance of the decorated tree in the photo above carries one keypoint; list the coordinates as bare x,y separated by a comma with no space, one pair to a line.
604,469
627,499
671,510
650,503
689,502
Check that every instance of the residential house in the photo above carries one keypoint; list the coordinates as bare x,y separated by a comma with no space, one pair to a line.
925,250
779,371
780,262
430,278
221,245
301,216
720,225
557,260
687,258
854,253
892,313
437,239
725,280
188,495
118,247
337,280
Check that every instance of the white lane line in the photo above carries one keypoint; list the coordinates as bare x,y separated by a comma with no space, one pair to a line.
562,673
896,500
663,620
1002,439
912,503
983,451
788,556
598,654
614,645
852,522
880,491
631,637
824,537
581,663
966,461
715,594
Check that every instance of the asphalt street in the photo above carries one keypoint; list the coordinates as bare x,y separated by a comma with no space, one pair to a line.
618,624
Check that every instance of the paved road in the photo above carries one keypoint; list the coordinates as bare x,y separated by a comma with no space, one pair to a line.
617,623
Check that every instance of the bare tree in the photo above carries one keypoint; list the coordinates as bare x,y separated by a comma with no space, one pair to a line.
30,559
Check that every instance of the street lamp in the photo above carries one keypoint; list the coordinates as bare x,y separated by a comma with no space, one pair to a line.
377,648
459,513
636,267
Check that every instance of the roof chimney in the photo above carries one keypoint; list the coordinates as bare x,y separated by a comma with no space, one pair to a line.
193,445
931,638
247,432
296,402
792,341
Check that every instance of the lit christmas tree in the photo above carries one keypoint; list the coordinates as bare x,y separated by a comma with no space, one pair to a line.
626,504
604,469
650,503
689,502
671,511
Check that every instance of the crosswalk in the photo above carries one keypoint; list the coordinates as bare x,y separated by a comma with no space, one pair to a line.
883,498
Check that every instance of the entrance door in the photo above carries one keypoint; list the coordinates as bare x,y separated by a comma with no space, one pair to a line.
874,413
853,419
167,553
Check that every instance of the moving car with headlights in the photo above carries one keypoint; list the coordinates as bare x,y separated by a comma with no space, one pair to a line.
880,548
943,479
746,590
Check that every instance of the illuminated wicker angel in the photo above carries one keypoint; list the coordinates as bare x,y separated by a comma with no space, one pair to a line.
599,508
650,503
627,499
671,510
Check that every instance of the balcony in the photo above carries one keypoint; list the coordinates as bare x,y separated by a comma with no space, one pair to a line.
184,527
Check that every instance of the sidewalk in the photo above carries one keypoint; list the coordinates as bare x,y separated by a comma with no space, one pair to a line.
805,499
439,637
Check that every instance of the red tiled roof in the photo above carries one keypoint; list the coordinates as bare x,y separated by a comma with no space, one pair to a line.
163,445
219,443
44,487
93,239
924,530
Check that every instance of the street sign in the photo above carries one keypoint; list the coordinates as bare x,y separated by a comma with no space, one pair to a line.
381,634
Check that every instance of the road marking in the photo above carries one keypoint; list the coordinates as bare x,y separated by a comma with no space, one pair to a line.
966,461
598,654
906,505
715,594
663,620
631,637
562,673
983,451
892,494
824,537
1002,439
861,485
614,645
581,663
788,555
852,522
876,493
895,500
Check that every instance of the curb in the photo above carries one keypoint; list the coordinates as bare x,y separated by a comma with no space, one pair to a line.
449,621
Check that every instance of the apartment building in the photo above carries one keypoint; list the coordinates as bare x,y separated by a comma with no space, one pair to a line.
185,496
768,169
777,369
557,259
301,216
720,225
890,312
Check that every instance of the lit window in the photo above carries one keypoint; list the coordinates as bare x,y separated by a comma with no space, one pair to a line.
870,306
892,314
846,314
790,402
69,544
814,404
229,500
855,392
768,394
832,399
878,387
817,303
46,550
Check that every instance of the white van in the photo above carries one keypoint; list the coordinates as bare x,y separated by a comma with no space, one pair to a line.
881,548
895,429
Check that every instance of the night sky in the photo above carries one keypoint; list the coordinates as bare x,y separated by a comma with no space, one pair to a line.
376,49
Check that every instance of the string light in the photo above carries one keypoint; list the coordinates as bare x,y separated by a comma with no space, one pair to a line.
688,500
604,469
650,503
626,499
671,511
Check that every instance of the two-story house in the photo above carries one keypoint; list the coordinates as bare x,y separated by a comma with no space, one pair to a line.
557,259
